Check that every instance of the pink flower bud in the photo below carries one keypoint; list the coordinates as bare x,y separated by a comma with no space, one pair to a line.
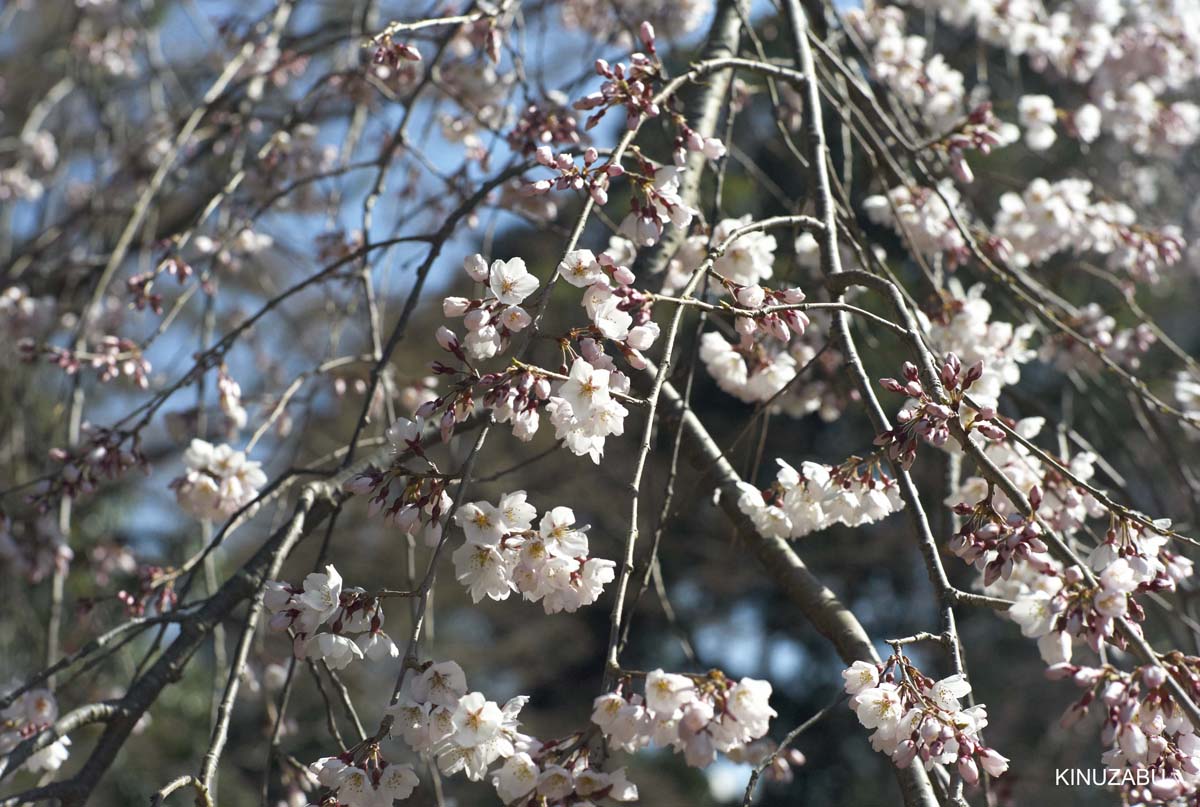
1154,676
776,328
432,533
476,267
904,754
642,336
968,770
713,148
447,339
406,518
476,319
750,296
646,32
992,762
455,306
623,275
1166,789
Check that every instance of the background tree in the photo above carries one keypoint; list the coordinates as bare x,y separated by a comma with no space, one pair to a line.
299,296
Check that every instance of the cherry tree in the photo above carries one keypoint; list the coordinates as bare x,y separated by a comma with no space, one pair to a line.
397,395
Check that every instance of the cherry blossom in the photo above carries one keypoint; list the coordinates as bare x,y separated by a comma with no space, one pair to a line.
29,714
695,715
219,481
914,717
503,553
323,599
995,195
816,496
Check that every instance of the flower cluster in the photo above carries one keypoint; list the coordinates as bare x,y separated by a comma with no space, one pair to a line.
994,544
761,367
547,124
768,309
1038,115
23,316
504,553
656,202
619,313
490,320
229,398
219,481
231,252
1065,507
544,778
981,131
1053,603
1072,606
422,500
697,715
748,260
688,139
584,409
1125,346
1136,116
302,610
36,155
1127,54
112,357
1052,217
1144,549
608,19
929,86
818,496
593,176
140,286
435,714
915,717
102,455
922,217
369,782
963,326
391,53
631,87
27,716
928,418
751,373
1143,728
